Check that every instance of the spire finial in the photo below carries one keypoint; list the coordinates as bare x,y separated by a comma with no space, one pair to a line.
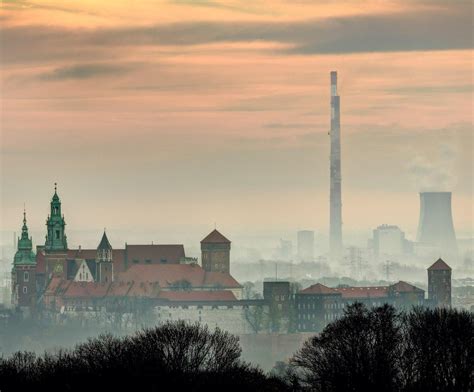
24,212
55,187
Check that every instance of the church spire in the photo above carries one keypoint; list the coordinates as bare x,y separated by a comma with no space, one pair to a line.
24,229
104,260
24,253
56,238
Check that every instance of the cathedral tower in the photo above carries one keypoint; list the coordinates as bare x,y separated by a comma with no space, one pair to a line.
56,239
56,242
23,273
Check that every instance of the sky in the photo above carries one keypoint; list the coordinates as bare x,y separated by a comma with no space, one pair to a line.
167,116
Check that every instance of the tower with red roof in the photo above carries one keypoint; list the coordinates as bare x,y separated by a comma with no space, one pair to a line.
439,284
215,252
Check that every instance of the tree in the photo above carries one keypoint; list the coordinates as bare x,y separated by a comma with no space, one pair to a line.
255,317
355,353
438,350
186,356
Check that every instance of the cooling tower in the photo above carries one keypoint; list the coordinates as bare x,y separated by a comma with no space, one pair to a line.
436,227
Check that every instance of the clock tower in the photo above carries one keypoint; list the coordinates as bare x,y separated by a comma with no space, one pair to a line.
56,240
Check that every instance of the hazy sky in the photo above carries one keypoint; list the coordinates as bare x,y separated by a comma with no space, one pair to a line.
166,114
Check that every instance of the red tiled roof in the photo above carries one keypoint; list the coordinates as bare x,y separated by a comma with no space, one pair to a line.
171,253
363,292
144,289
404,287
318,288
119,289
81,254
163,274
439,265
167,274
86,290
55,284
215,237
223,279
198,296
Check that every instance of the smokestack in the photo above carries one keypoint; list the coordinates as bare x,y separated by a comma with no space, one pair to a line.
335,212
436,227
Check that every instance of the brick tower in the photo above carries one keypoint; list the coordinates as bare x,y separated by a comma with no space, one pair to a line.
215,251
439,284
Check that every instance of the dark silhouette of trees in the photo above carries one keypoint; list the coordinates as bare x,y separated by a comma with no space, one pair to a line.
355,353
380,349
184,356
365,350
438,350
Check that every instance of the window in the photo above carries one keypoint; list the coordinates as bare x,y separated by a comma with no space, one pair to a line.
163,260
26,276
57,234
148,261
25,289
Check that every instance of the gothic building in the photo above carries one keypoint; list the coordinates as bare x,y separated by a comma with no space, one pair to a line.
60,273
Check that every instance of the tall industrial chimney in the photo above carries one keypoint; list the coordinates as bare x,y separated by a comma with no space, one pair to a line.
335,213
435,228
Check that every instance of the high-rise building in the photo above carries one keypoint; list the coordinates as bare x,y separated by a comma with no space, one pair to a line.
389,240
305,239
286,249
335,208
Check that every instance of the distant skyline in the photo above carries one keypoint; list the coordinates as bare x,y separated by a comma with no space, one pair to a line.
171,115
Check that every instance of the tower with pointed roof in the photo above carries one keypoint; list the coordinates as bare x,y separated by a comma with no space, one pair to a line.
105,267
439,284
23,272
56,239
215,252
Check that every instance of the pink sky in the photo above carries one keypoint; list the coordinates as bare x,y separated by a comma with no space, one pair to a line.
175,113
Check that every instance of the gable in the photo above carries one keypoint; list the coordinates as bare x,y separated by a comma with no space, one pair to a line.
83,273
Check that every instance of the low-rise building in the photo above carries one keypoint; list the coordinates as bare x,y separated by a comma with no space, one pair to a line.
318,305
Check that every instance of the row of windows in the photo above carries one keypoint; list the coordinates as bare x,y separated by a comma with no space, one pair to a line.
327,316
326,306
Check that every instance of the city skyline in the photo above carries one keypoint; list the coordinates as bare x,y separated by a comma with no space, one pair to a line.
189,113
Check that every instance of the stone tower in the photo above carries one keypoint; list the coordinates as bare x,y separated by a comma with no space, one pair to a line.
439,284
215,252
23,273
105,267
